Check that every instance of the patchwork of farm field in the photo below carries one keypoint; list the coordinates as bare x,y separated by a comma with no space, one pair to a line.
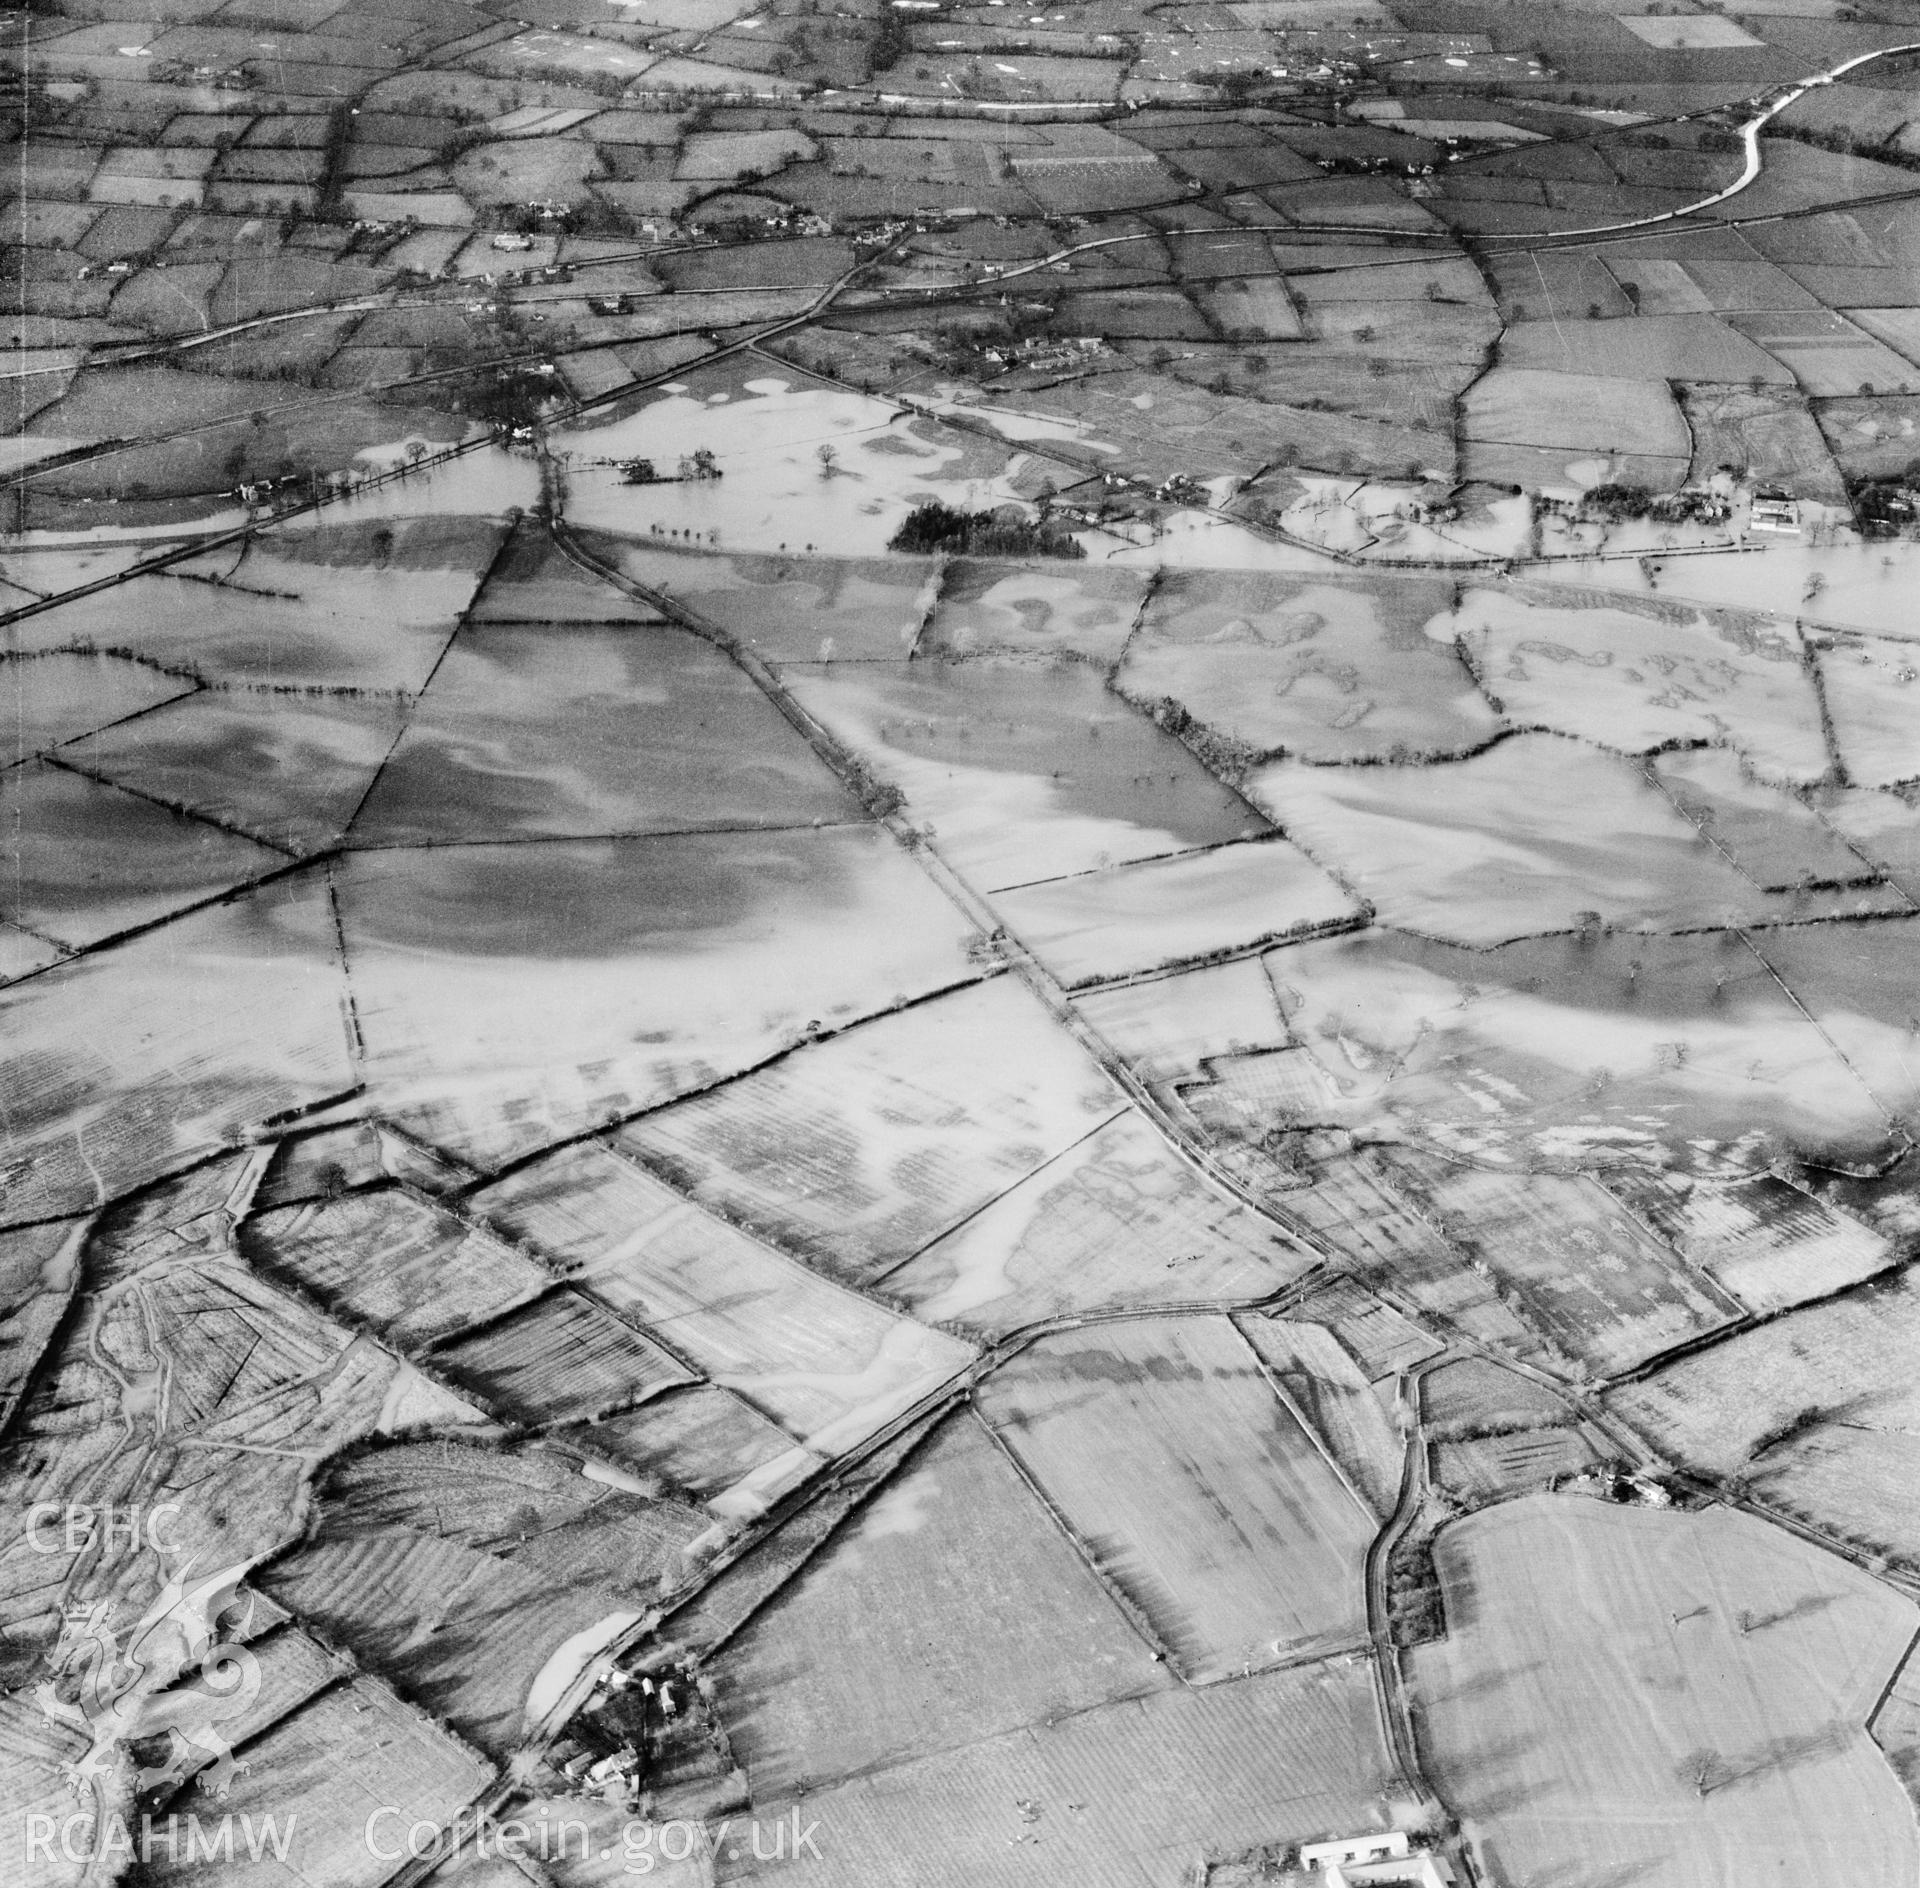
978,944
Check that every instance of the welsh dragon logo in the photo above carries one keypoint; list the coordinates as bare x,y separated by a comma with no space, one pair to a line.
176,1675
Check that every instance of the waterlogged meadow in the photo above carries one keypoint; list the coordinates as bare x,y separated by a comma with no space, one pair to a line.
793,467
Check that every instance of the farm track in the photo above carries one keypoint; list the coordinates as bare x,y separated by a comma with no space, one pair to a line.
1389,1676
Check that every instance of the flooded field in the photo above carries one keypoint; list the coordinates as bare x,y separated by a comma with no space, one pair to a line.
1023,770
795,467
639,728
1328,672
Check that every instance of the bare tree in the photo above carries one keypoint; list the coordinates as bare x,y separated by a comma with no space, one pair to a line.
1704,1769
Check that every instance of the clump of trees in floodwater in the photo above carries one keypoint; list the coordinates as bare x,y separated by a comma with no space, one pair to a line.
1005,533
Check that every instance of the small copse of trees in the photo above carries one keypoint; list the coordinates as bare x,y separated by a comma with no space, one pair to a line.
1004,533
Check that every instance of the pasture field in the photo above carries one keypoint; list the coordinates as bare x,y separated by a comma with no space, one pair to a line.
973,1614
343,607
1848,586
1483,1469
724,1603
1376,1336
1828,355
1192,1488
627,729
1118,1219
322,1166
1871,695
1495,853
388,1260
1326,671
721,156
562,1358
1576,412
1116,1797
1880,826
1817,1413
329,1767
859,1151
1193,432
1632,677
87,861
1657,285
1688,33
1769,1244
1327,1387
1417,395
553,170
1574,1051
462,1571
1126,920
594,371
1247,1095
1357,1204
1758,287
1681,1696
501,1492
534,581
293,1666
291,776
1476,1396
382,1593
772,498
1896,1726
1169,1027
987,606
200,632
39,1269
792,609
510,995
1431,332
136,1060
441,211
1570,280
1856,985
1021,78
22,952
1563,471
698,1440
1899,328
1371,1211
46,700
1772,836
806,262
1250,310
1650,349
1435,279
1024,769
828,1364
1128,314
